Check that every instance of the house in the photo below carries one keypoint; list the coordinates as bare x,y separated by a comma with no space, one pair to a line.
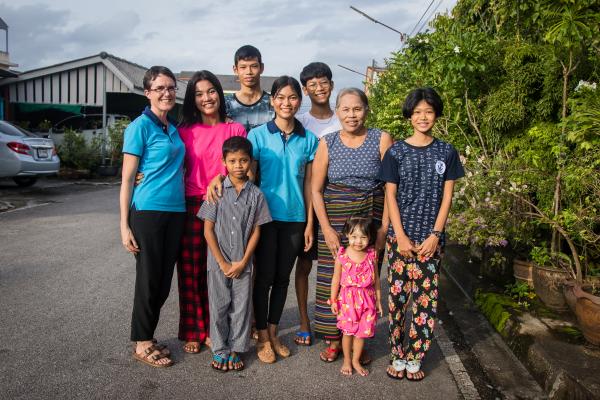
230,83
81,86
5,65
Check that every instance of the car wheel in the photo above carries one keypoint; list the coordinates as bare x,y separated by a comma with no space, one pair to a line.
25,181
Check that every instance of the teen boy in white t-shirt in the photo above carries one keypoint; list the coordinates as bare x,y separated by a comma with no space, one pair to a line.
321,120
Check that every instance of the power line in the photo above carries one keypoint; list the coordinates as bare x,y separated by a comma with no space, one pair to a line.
351,70
430,15
420,19
403,36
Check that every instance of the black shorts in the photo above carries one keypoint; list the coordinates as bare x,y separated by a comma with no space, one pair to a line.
311,254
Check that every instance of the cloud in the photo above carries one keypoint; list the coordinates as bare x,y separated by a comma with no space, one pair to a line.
40,35
204,35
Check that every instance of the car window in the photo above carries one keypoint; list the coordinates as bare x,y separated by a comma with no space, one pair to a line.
13,130
93,122
74,123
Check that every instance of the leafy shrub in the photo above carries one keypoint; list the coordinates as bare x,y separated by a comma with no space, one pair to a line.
74,152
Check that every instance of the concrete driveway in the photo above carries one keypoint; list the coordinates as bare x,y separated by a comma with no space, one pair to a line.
66,288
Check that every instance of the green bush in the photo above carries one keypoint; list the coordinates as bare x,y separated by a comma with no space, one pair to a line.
74,152
115,141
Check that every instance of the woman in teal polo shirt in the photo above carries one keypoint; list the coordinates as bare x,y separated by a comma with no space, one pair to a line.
153,212
284,151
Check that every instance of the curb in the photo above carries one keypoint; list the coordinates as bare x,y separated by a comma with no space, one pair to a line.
528,341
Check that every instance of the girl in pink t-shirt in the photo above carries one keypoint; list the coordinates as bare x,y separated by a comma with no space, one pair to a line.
203,130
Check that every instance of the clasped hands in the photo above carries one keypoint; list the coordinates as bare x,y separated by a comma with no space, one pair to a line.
232,269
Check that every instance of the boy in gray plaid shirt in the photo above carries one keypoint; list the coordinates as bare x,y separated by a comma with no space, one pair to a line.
232,229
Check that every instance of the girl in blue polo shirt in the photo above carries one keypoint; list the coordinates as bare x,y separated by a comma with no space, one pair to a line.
284,151
153,212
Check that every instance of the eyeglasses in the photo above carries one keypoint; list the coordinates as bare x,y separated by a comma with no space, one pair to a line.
162,89
314,85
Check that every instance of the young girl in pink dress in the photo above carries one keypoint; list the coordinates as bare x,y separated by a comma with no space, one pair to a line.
355,291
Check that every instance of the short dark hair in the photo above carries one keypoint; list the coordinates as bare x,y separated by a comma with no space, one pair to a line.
155,71
247,52
417,95
284,81
364,224
355,91
315,70
237,143
189,112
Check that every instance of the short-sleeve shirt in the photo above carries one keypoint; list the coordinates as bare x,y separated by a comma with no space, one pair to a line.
161,153
250,115
320,127
420,173
354,167
234,216
203,153
282,166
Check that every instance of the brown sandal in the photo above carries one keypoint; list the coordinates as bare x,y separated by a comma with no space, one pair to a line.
265,353
281,350
152,359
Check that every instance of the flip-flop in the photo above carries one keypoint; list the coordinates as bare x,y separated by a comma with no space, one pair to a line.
235,360
413,379
216,358
396,377
331,354
303,338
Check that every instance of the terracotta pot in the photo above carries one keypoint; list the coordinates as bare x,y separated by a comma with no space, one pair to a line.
548,283
588,316
523,271
570,296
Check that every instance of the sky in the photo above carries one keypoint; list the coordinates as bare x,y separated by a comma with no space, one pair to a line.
204,34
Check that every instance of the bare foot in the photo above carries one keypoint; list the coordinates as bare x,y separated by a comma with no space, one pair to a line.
208,342
346,368
359,369
191,347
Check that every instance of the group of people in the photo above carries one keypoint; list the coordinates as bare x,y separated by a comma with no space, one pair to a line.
242,188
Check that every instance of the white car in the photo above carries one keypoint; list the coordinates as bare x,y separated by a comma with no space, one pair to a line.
24,156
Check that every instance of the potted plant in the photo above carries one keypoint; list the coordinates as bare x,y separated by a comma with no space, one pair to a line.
549,276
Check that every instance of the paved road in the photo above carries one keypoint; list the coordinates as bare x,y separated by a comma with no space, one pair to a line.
66,294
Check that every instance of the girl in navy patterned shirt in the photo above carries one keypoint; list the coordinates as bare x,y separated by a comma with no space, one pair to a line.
419,173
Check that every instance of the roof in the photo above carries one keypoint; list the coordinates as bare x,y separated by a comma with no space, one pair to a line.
130,73
3,24
230,83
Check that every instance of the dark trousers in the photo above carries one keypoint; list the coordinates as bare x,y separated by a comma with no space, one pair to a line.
158,235
276,252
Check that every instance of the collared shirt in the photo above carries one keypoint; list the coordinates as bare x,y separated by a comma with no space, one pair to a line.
161,153
282,166
235,215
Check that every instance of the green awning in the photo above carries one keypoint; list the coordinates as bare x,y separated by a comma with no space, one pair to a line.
32,107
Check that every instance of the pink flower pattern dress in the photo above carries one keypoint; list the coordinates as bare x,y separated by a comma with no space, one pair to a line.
357,311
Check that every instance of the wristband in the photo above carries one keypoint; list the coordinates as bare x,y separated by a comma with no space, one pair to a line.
437,234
